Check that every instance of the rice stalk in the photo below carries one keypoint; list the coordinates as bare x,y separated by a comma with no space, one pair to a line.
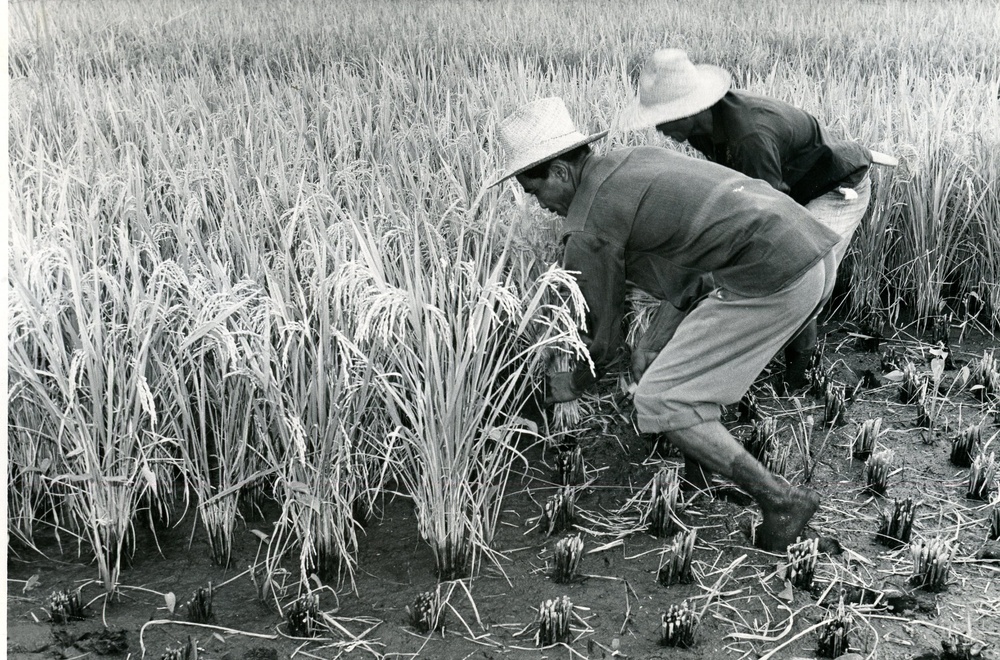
965,446
931,563
878,468
864,441
566,557
675,560
833,639
895,528
661,513
982,477
801,563
554,617
678,626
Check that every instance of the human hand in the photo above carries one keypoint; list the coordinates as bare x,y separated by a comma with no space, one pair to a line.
641,359
559,388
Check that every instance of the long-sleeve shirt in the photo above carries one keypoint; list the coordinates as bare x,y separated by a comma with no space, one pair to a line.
677,227
771,140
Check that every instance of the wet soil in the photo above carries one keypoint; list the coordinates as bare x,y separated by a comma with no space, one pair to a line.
618,602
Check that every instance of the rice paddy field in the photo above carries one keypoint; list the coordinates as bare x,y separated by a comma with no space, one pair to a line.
273,344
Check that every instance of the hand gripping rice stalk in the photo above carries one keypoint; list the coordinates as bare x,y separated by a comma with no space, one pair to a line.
675,560
662,513
679,625
572,471
567,556
912,388
864,441
65,606
762,438
931,563
559,512
982,475
427,612
801,566
895,529
199,608
302,616
877,470
965,446
834,634
835,405
553,621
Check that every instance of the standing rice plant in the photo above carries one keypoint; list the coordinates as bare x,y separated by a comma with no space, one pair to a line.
86,350
461,342
220,389
331,458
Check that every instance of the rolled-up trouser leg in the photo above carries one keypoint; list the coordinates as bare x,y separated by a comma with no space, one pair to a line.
721,346
842,214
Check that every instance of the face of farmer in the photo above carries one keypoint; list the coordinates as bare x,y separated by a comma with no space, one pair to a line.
697,125
679,129
555,192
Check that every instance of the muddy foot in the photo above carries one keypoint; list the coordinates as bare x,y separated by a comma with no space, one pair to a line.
785,521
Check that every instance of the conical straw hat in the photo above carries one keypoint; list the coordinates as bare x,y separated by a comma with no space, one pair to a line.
670,88
538,132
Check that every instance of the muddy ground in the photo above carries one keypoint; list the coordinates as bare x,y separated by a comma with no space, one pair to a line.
617,601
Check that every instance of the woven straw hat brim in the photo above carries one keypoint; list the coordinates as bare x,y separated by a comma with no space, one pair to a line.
713,85
547,150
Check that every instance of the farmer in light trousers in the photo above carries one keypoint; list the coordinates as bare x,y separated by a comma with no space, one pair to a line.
752,266
765,139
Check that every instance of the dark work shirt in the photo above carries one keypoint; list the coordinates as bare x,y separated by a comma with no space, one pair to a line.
771,140
678,227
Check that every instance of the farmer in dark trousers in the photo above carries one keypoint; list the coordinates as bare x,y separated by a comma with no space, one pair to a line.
765,139
757,265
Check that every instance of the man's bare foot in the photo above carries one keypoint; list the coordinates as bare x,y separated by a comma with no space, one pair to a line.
785,520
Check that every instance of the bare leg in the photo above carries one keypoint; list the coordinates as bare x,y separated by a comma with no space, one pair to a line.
797,355
786,509
696,476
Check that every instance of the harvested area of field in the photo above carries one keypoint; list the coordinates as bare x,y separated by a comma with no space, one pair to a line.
271,334
747,606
